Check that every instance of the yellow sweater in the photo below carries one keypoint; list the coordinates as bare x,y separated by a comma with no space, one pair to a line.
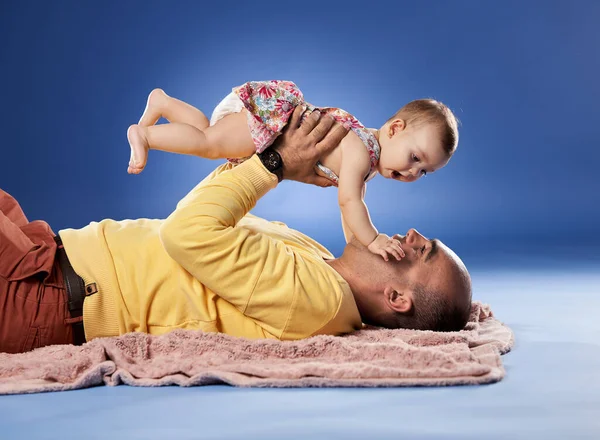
210,266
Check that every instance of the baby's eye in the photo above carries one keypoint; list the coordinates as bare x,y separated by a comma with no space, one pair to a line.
423,173
415,158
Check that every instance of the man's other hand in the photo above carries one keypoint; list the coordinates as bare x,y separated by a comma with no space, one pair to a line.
304,142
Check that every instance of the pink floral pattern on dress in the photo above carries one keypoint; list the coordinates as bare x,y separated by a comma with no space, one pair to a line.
270,105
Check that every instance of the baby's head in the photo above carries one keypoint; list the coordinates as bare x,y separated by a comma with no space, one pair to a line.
419,139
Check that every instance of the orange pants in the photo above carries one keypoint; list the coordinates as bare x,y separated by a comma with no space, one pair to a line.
33,299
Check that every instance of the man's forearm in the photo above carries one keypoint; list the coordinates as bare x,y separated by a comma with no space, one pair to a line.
224,200
201,234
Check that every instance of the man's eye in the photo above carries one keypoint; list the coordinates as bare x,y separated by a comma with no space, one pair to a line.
415,158
423,250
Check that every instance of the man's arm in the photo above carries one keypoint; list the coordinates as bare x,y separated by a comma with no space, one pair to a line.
201,234
216,172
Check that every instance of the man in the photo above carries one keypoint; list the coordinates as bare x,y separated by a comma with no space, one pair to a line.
213,266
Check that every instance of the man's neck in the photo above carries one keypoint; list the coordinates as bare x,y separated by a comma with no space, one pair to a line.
338,265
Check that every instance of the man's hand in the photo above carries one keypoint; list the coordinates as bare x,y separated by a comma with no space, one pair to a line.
302,144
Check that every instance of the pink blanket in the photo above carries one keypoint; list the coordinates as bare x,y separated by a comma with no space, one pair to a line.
368,358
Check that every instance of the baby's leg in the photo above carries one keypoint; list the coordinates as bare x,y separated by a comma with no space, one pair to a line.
160,104
229,137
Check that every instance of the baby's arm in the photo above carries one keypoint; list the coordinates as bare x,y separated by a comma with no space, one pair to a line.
356,221
355,215
347,231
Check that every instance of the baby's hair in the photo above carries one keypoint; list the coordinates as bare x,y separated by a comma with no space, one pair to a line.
430,111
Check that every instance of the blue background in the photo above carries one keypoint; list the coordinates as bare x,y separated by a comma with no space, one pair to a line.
522,76
522,190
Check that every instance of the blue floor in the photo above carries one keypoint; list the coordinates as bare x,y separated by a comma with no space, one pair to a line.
551,389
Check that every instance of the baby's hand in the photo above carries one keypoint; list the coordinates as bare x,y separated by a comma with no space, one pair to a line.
384,245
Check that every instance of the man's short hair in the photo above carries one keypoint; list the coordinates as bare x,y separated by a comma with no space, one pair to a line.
434,311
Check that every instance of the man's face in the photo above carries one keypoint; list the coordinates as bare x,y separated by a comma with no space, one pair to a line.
428,262
383,289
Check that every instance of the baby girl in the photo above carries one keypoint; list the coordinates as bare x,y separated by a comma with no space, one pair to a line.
417,140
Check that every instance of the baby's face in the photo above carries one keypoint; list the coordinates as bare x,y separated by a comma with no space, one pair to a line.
408,153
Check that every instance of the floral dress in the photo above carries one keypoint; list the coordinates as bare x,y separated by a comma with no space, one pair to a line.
270,105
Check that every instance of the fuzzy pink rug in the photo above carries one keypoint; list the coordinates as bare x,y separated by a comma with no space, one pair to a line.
368,358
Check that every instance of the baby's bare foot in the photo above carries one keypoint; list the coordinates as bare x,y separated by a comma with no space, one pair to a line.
154,107
139,149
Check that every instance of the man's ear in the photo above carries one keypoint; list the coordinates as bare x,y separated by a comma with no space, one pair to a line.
399,300
396,126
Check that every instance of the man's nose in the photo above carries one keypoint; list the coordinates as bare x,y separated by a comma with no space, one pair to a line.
414,238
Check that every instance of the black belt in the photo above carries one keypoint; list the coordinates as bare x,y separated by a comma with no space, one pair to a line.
75,288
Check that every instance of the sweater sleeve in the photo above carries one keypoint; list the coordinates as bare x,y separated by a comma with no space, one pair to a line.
201,235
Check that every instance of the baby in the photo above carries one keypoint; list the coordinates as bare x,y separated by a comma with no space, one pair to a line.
418,140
